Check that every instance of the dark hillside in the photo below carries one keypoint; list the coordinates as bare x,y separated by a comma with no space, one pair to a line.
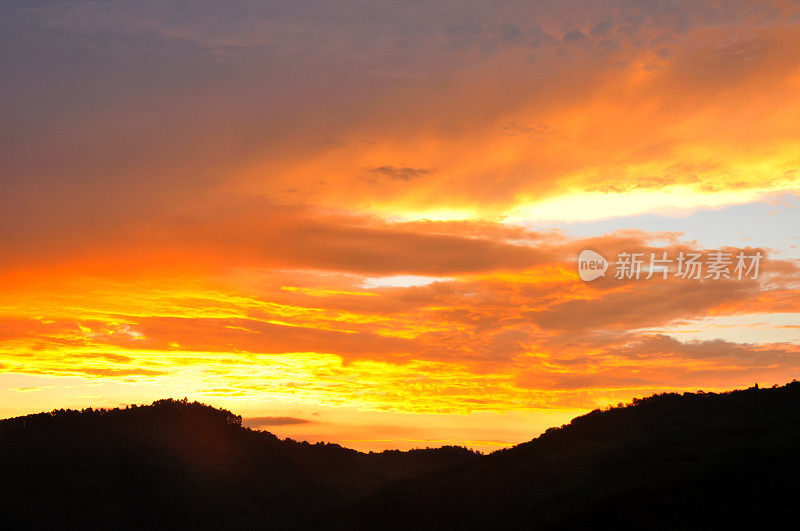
179,464
690,461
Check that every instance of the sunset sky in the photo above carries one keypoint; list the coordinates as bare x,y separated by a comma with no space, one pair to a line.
358,222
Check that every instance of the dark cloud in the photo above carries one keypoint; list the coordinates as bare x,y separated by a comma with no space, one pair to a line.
662,346
645,305
398,173
260,422
574,37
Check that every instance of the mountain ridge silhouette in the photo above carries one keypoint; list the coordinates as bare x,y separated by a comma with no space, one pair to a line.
669,461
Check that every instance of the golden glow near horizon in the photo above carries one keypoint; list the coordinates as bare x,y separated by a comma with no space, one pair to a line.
374,232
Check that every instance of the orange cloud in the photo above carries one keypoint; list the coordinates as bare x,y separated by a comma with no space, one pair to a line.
277,209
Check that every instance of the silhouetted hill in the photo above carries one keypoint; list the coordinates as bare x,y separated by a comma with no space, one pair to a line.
670,461
180,464
690,461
